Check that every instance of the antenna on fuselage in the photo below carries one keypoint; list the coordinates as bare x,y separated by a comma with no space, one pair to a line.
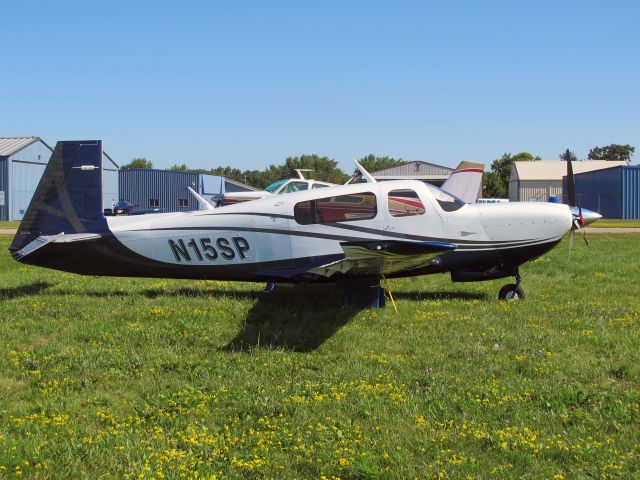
366,175
206,205
300,170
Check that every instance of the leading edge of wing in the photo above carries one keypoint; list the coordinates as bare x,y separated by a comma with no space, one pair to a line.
383,257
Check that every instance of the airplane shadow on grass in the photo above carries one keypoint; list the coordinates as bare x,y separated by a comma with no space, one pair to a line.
24,290
299,318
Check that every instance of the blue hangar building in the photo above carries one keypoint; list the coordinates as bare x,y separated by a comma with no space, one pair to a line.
22,163
167,190
612,192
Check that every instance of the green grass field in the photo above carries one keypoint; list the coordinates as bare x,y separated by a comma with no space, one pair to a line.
10,224
137,378
616,222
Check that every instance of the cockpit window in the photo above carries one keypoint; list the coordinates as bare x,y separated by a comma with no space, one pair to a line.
295,187
341,208
448,202
404,203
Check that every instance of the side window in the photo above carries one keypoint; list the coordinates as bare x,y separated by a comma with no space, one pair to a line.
342,208
318,185
295,187
404,203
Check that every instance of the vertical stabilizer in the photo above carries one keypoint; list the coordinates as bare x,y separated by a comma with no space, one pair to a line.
69,196
466,181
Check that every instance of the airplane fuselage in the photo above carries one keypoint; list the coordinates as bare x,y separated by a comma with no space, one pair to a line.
290,238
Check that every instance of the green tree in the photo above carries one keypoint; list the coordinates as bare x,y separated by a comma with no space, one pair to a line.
612,152
492,186
568,155
137,163
227,172
497,185
371,163
179,168
324,168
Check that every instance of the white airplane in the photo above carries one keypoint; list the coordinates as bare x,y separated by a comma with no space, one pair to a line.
286,185
353,235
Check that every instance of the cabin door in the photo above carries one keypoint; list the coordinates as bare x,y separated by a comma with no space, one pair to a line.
407,212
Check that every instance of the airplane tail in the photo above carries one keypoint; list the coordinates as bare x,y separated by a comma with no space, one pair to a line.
466,181
68,200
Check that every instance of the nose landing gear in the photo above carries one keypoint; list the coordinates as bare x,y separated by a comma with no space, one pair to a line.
512,291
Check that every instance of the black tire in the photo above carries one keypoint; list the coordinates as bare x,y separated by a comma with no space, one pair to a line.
511,292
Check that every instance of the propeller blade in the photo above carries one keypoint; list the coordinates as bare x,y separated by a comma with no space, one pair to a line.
570,240
584,236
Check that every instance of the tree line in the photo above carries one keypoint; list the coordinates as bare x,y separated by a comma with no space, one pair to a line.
324,168
496,180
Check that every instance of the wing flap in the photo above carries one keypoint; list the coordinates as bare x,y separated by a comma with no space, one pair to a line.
383,257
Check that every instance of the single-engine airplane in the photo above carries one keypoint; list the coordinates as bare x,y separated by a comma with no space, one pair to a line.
353,235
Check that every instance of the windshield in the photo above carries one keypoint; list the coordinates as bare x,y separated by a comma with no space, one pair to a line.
448,202
275,185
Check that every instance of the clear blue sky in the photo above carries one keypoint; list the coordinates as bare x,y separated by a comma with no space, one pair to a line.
247,84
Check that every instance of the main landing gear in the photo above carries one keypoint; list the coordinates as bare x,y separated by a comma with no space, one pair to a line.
512,291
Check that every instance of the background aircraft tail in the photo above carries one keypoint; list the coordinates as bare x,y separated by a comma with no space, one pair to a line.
69,196
466,181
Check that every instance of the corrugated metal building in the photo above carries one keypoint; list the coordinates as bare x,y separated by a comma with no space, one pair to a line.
166,189
536,181
612,192
416,170
22,163
109,181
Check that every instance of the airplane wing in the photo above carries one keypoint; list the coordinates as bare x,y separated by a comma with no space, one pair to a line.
383,257
465,182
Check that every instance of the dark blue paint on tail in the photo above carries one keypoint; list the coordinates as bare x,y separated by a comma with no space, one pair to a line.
69,196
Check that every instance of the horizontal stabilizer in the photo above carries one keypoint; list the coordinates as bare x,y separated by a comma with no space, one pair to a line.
383,257
43,240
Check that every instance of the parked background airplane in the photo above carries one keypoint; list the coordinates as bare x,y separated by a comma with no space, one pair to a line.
285,185
353,235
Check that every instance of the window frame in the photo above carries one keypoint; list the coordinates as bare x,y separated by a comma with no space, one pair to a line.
288,188
314,217
416,196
